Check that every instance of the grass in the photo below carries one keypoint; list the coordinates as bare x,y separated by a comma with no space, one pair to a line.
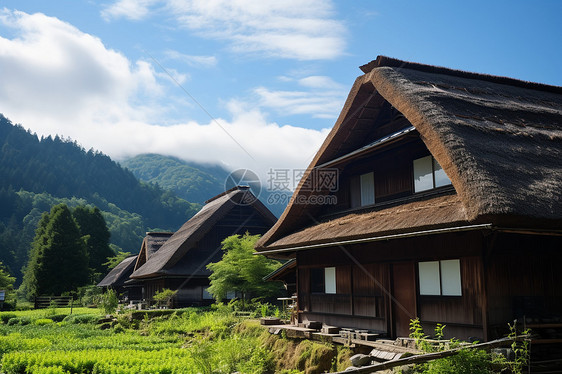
187,340
44,313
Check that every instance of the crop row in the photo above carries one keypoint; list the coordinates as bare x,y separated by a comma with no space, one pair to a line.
171,360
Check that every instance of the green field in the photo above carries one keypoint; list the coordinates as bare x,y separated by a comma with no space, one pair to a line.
183,341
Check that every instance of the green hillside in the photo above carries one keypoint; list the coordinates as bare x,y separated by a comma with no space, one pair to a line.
36,174
190,181
194,182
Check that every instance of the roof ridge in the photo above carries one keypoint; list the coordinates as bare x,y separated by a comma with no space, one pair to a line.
384,61
242,188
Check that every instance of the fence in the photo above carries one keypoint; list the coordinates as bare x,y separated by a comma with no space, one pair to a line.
43,302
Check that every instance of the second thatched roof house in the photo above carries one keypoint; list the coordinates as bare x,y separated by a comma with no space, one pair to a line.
180,263
437,195
118,278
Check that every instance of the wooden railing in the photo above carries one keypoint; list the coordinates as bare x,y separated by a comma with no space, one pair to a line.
43,302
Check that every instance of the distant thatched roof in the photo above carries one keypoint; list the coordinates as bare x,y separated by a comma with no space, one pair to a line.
498,139
150,244
172,258
119,274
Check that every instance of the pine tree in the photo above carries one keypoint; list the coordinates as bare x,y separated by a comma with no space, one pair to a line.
58,260
93,227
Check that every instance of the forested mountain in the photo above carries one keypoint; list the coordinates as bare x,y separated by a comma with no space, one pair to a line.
36,174
191,181
195,182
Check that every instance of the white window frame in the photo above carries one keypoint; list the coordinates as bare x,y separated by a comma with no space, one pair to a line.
440,278
330,280
422,182
367,186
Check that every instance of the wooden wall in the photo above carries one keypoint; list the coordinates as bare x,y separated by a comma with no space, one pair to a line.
359,300
524,280
393,175
464,312
363,274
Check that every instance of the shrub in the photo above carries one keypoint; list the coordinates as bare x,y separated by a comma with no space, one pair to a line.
19,321
467,360
58,317
81,318
5,317
164,297
42,321
110,301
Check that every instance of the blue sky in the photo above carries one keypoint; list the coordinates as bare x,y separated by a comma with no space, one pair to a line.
244,83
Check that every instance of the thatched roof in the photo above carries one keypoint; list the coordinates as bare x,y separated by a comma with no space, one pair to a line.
150,244
119,274
438,212
498,139
174,257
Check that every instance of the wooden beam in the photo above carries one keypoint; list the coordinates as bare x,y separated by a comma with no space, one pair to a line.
430,356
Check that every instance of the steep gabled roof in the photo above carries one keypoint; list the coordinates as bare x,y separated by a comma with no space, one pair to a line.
498,139
150,244
181,242
119,274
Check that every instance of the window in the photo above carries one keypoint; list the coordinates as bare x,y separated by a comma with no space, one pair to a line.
441,278
367,182
323,280
330,280
428,174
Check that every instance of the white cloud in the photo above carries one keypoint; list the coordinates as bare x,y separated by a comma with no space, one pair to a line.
59,80
191,60
320,81
131,9
323,99
295,29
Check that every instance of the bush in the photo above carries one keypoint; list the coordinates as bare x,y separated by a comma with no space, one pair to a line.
5,317
19,321
82,318
11,304
58,317
164,297
43,321
109,301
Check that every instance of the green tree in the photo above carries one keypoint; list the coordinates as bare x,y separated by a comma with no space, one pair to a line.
241,271
94,229
7,284
116,260
58,260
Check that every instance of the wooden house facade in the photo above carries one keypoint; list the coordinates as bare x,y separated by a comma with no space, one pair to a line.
447,205
181,262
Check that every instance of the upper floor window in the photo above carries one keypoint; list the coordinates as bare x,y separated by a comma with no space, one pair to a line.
367,182
428,174
363,190
440,278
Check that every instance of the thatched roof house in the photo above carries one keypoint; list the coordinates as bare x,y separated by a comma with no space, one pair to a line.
150,244
119,274
180,263
445,179
498,139
119,277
